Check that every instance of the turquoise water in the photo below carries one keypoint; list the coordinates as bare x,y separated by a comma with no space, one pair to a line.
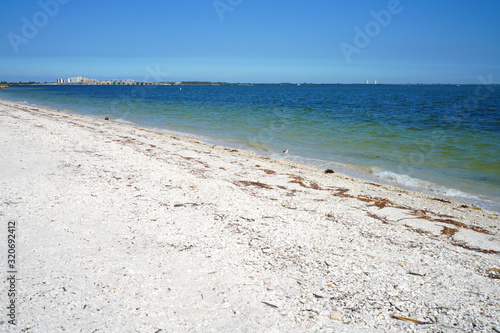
443,140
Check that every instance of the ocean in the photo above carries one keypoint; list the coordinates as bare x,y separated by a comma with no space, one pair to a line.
439,139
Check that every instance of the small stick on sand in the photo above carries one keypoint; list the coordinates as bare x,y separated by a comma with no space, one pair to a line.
410,320
271,305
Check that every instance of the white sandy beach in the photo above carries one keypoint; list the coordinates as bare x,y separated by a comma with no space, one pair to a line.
124,229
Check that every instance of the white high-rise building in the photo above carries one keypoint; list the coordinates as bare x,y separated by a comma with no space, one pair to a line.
75,79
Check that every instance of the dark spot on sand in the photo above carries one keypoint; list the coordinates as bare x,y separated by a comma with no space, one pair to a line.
256,184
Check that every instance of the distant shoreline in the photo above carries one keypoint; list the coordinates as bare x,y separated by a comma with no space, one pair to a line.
190,83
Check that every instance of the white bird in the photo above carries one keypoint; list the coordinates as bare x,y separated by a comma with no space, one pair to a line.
285,151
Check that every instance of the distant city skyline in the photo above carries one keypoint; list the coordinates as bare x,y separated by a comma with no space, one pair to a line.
392,41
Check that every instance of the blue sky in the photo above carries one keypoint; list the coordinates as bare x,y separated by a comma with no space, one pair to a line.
327,41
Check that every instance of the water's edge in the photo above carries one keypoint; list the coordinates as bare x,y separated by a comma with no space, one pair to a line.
367,174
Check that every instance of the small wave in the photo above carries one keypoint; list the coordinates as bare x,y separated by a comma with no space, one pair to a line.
258,146
127,122
421,185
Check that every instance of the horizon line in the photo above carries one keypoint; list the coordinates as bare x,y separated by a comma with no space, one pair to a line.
204,82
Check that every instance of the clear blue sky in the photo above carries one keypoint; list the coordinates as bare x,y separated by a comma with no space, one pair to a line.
424,41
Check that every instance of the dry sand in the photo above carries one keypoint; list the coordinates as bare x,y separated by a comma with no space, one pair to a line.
124,229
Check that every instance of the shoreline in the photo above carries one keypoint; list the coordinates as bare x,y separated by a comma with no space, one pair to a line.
370,173
166,232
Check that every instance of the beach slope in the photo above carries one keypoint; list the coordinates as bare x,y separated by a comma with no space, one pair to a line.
124,229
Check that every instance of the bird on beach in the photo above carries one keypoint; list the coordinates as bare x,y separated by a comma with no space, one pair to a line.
285,151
